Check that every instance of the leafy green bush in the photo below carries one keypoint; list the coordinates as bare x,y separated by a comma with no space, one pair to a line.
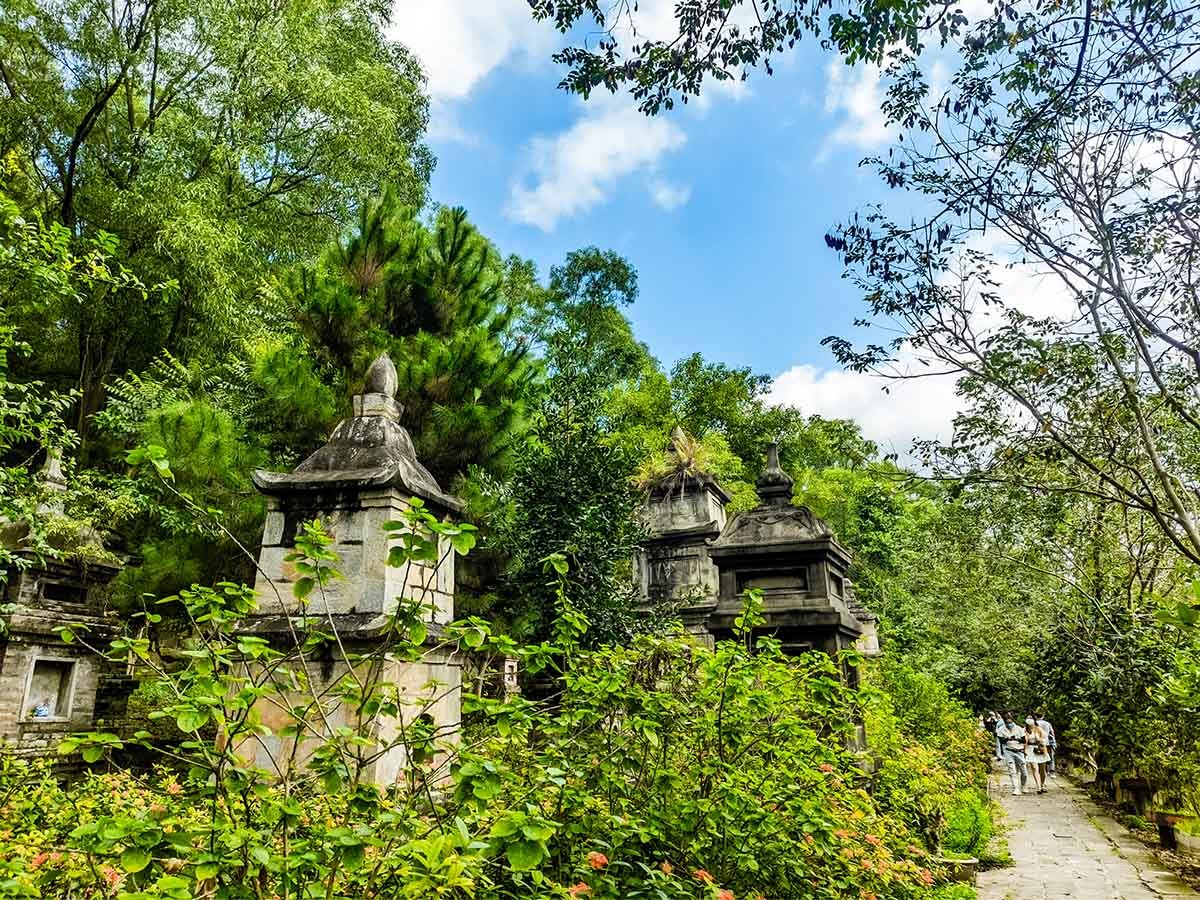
969,825
931,754
955,892
665,770
1190,826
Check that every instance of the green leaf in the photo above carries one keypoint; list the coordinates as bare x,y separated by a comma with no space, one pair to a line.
134,859
536,832
524,855
352,856
462,542
191,719
504,828
92,754
207,870
417,632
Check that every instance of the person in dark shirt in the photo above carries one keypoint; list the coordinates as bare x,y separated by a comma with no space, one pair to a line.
990,721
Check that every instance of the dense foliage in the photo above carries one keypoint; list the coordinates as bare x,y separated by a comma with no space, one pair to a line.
216,214
660,770
1050,559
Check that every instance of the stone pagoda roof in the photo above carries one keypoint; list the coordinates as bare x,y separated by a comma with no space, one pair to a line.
776,525
370,449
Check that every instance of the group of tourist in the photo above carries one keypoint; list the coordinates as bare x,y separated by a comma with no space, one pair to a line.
1027,750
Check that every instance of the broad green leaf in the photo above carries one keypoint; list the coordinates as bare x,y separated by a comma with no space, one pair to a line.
134,859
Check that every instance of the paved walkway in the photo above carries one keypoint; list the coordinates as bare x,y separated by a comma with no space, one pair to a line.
1064,846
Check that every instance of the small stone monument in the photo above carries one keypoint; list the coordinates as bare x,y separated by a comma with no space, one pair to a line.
868,644
49,688
796,561
361,479
684,510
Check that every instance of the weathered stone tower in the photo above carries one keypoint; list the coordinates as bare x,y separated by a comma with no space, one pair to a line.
795,560
49,688
363,478
683,514
696,559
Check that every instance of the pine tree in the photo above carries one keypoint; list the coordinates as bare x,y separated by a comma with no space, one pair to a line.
432,296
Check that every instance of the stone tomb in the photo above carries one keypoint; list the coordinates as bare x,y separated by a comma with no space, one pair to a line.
794,559
784,550
49,688
361,479
672,566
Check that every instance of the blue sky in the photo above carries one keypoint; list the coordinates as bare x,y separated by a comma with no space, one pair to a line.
722,205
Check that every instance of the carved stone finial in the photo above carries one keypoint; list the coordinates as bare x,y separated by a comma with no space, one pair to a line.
52,473
774,485
379,393
679,440
381,377
55,482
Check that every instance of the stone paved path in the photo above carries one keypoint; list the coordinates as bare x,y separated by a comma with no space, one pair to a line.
1064,846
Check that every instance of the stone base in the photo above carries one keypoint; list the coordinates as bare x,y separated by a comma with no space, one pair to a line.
1187,844
428,694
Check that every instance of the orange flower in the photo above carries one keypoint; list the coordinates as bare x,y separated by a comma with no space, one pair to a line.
579,890
873,840
702,875
724,895
597,860
825,767
37,861
666,867
174,788
841,833
111,875
926,876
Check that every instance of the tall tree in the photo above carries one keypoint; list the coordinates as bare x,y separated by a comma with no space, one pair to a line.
439,298
1064,149
572,493
721,40
216,139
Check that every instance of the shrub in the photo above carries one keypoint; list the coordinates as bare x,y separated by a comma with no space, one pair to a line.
931,755
969,825
665,770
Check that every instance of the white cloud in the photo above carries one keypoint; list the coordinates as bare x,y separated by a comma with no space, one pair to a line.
460,41
890,412
572,172
856,95
976,11
667,195
445,126
1028,287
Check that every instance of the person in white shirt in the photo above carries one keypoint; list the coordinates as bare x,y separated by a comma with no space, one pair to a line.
1051,742
1037,753
1012,737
